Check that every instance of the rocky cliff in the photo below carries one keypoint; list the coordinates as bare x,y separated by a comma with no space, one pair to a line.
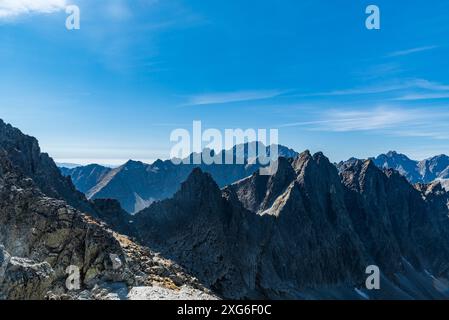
23,152
42,236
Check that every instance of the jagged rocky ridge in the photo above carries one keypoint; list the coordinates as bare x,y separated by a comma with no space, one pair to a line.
306,232
136,185
41,235
24,153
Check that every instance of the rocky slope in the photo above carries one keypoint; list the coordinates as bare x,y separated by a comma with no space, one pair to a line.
306,232
41,236
24,152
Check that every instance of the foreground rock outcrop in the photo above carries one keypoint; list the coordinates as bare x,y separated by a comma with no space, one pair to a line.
43,239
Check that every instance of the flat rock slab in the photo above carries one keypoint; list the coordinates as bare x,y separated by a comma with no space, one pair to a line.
160,293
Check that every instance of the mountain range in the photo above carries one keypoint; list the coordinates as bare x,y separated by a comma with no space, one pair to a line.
136,185
309,231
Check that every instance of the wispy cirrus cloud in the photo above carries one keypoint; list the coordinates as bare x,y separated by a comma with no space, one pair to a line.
406,85
423,96
402,84
357,120
411,51
398,121
395,90
229,97
14,8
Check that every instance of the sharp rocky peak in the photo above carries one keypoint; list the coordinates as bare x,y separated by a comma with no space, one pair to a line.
198,184
301,160
258,192
357,174
132,164
315,170
396,155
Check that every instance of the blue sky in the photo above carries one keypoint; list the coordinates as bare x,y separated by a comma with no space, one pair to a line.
136,70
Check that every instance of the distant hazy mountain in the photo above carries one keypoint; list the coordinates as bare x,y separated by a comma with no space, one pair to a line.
67,165
136,185
401,163
86,177
425,171
434,168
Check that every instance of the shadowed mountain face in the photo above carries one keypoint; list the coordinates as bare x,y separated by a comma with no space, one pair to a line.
385,204
306,232
136,185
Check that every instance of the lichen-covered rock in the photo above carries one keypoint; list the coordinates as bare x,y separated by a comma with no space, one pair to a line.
22,278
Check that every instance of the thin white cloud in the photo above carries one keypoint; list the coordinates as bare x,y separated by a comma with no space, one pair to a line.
424,96
14,8
388,120
228,97
429,85
392,86
399,87
354,120
411,51
382,88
